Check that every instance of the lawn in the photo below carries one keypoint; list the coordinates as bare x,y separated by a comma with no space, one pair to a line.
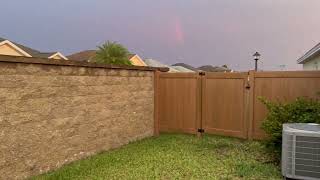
176,156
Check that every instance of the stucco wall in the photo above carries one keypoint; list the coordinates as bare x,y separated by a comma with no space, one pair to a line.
51,115
313,64
6,49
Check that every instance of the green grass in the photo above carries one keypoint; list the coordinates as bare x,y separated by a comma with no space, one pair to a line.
176,156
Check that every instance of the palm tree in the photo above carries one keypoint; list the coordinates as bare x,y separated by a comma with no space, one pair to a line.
112,53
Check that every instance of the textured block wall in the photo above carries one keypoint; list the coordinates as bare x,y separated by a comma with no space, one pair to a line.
51,115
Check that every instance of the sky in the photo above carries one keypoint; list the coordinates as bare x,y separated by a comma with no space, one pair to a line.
196,32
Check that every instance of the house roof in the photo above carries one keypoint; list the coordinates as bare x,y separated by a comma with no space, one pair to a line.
131,55
315,51
182,69
30,51
44,55
187,66
155,63
82,55
209,68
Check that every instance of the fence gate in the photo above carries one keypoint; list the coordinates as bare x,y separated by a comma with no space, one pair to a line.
178,101
211,102
224,98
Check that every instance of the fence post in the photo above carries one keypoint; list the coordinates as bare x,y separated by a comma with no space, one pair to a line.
200,106
156,103
251,104
246,106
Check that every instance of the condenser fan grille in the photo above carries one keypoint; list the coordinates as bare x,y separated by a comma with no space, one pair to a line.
301,151
307,156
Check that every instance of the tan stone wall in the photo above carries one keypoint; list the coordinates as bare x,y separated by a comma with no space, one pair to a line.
52,115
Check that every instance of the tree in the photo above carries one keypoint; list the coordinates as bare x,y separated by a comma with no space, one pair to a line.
225,66
112,53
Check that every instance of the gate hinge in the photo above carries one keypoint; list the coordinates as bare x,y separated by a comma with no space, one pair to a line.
201,130
202,73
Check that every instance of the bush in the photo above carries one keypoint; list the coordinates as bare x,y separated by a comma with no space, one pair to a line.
302,110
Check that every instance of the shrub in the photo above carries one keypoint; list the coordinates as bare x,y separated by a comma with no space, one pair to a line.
301,110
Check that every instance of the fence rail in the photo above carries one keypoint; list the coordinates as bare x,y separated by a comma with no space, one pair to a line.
226,103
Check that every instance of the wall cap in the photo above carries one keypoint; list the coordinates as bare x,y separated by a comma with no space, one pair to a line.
33,60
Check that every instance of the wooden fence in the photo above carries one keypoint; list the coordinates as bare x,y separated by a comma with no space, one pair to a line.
225,103
179,102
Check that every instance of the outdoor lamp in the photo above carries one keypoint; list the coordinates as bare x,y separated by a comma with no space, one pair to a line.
256,58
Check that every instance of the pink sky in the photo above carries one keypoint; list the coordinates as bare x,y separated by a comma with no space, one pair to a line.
196,32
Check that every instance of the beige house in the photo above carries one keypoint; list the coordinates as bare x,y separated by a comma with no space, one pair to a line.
87,55
10,48
311,60
136,60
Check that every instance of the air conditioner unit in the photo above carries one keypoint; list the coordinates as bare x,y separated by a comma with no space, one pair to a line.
301,151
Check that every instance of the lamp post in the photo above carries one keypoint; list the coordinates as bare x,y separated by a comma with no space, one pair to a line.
256,58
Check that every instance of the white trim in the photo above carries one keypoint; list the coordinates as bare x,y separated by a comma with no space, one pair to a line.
139,59
310,53
15,47
59,54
